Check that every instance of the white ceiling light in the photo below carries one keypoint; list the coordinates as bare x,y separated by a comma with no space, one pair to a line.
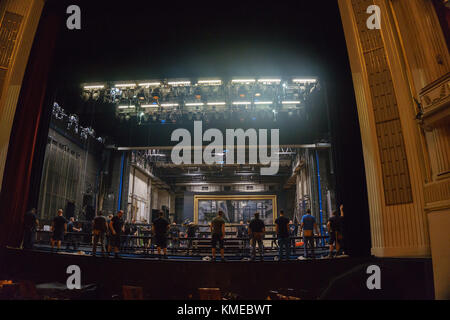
194,104
125,85
291,102
241,102
263,102
126,107
216,103
149,106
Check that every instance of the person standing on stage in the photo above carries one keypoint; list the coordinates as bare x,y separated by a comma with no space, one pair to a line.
242,235
335,233
160,228
108,233
116,229
191,233
174,236
59,228
71,238
256,230
99,229
30,223
308,226
282,229
217,235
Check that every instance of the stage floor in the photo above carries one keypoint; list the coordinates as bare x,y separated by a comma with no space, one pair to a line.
343,278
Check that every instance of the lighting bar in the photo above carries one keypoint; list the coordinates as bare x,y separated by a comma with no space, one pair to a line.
93,87
194,104
169,104
269,80
175,83
148,84
126,107
214,82
304,80
149,106
125,85
263,102
216,103
241,103
291,102
243,80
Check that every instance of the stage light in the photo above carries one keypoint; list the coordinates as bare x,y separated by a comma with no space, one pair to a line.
169,104
179,83
269,81
290,102
243,80
210,82
263,102
123,107
304,80
257,94
194,104
241,103
93,87
141,95
216,103
125,85
149,84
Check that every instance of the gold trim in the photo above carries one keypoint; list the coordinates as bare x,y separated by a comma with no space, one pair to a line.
235,197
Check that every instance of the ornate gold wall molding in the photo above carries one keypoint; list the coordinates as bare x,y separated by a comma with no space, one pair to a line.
19,20
410,53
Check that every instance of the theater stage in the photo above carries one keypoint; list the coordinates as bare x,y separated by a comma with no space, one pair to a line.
341,278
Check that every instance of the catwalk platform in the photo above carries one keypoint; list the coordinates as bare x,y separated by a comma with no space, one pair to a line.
180,278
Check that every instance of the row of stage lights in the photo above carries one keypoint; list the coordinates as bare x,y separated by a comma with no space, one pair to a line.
125,95
215,82
239,115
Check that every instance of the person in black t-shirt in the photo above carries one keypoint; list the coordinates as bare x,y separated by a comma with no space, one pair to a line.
116,229
282,229
59,228
99,228
160,227
256,230
334,232
30,222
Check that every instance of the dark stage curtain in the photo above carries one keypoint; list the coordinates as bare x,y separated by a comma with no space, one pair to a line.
26,128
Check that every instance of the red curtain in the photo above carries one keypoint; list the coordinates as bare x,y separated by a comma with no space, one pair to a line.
22,144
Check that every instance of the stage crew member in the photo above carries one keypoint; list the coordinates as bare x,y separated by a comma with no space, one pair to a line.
99,229
116,229
282,228
256,230
160,228
59,228
217,235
